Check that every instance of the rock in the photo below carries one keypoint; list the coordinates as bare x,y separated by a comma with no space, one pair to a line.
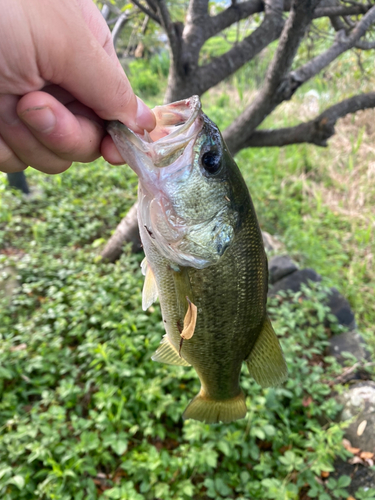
294,281
359,403
279,267
284,275
270,242
362,477
351,342
340,307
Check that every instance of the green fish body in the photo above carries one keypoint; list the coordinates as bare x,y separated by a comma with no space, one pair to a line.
204,258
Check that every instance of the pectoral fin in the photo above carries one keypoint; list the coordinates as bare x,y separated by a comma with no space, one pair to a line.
166,353
150,290
190,320
266,362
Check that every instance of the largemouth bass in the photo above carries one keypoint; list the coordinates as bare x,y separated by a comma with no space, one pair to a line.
204,258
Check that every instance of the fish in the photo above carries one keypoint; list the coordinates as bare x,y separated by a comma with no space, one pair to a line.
204,258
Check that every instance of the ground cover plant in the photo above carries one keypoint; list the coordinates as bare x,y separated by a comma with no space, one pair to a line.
86,414
85,411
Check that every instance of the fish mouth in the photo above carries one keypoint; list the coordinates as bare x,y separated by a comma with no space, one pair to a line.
163,161
177,124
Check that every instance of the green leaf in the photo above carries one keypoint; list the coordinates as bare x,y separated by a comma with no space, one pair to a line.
331,483
221,487
259,433
5,470
343,481
269,430
211,458
224,448
245,476
113,493
98,242
188,489
210,485
17,480
120,446
325,496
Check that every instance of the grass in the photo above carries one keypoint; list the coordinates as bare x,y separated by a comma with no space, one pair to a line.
85,413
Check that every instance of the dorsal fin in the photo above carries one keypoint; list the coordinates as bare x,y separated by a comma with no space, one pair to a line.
167,354
266,361
150,290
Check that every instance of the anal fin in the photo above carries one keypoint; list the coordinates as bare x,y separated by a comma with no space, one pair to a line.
166,353
150,290
266,361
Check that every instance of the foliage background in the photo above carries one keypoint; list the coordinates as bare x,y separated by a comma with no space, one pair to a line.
86,414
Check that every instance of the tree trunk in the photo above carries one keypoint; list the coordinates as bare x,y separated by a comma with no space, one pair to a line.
126,232
18,181
180,88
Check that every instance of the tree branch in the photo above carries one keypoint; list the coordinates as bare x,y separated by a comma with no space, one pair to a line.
196,10
277,86
193,36
341,44
316,131
336,21
225,65
152,5
365,45
105,11
234,13
146,11
121,21
341,10
169,28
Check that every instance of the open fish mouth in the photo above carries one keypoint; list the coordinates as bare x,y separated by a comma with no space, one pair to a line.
177,124
166,162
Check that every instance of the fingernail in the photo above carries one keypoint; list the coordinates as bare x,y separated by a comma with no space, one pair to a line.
145,118
41,119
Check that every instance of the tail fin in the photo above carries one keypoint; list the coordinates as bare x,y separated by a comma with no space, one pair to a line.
212,411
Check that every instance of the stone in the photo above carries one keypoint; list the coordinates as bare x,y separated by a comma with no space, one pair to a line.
340,307
352,342
362,477
280,266
294,281
270,243
359,404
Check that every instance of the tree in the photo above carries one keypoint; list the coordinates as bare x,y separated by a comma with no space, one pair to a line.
289,22
17,180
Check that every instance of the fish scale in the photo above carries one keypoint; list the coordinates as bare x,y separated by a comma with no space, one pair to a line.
203,247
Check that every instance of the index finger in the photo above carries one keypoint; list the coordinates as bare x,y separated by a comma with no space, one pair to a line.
75,60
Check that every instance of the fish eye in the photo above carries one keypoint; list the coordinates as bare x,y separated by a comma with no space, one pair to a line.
211,162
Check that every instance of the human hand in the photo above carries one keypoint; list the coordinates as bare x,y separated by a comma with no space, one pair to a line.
59,80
